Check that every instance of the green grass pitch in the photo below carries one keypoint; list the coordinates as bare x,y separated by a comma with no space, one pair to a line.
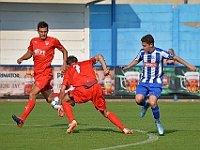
44,130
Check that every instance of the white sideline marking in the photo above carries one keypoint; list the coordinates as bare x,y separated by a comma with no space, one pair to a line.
152,137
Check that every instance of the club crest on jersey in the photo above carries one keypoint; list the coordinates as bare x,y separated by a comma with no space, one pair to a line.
46,43
150,64
39,52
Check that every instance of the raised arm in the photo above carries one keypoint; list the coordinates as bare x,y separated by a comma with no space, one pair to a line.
99,58
180,60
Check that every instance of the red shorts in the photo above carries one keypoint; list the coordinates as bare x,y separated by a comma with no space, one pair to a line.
94,93
43,82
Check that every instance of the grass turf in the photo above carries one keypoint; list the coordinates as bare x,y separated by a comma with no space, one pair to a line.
43,129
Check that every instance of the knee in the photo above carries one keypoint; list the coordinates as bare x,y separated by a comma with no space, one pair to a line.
105,113
49,100
32,96
137,101
66,99
139,98
153,104
153,101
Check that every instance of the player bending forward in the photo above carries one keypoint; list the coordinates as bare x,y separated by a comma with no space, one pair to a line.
81,76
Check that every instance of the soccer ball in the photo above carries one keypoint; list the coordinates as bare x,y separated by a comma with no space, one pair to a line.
54,103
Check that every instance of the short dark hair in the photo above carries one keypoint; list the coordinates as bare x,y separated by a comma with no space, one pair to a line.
71,59
42,24
148,39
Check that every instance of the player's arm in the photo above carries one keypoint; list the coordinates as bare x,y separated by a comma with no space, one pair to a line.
64,85
132,64
180,60
100,58
65,55
62,93
26,56
61,96
165,61
175,62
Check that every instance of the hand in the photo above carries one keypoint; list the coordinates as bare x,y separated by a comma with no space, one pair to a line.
19,61
63,69
192,68
61,112
123,67
106,72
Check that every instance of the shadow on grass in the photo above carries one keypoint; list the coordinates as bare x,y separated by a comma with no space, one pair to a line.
165,132
65,125
103,129
59,125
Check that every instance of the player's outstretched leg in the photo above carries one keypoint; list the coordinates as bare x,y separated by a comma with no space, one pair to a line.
114,119
28,108
18,120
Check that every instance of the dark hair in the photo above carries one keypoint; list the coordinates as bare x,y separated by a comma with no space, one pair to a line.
148,39
42,24
71,59
171,49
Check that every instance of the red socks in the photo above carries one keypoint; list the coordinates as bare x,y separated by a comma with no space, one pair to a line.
113,118
28,108
68,111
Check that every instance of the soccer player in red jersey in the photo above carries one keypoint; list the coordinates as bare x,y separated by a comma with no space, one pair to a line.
42,50
81,76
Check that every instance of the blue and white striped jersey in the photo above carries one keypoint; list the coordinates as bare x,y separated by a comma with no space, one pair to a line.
152,71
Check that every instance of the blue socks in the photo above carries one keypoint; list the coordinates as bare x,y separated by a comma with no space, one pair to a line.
156,112
144,103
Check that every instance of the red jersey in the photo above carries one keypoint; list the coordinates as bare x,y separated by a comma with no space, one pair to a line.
43,53
80,73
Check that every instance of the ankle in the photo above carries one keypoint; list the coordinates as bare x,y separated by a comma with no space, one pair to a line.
157,121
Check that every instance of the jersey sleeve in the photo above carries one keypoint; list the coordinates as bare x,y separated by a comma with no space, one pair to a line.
57,44
30,47
92,61
167,55
139,56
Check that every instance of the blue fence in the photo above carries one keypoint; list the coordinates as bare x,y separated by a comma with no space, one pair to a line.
177,28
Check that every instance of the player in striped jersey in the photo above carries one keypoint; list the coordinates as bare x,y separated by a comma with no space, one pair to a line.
152,75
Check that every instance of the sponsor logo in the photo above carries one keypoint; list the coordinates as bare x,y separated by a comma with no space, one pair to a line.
39,52
150,64
9,75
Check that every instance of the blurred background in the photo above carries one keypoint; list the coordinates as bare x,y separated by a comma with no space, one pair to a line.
112,28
